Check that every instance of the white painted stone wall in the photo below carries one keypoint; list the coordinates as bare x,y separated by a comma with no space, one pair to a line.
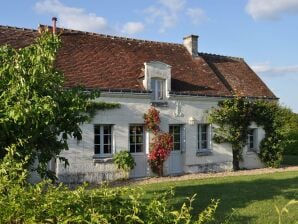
80,154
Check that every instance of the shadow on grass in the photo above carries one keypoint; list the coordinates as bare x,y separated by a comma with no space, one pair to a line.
233,194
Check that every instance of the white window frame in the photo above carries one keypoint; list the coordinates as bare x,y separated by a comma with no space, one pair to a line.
200,148
101,142
158,82
135,144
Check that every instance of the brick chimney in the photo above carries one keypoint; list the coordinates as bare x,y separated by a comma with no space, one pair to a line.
191,44
54,20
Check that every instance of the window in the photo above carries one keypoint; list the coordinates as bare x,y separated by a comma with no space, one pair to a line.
158,89
175,131
136,138
251,140
203,136
103,139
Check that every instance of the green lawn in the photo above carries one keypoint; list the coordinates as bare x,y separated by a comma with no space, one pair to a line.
251,199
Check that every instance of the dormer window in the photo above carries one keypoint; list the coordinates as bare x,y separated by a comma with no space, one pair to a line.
158,89
157,78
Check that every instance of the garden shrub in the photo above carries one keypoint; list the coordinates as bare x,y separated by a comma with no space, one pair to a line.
124,161
21,202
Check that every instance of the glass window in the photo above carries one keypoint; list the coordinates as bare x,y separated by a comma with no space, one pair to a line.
136,138
251,140
158,89
103,139
203,136
175,131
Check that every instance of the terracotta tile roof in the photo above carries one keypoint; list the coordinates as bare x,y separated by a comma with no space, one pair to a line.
17,37
109,62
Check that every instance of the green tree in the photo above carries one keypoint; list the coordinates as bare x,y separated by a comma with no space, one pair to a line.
234,116
291,132
37,114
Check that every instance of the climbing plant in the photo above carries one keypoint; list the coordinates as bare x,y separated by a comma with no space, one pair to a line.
162,143
234,116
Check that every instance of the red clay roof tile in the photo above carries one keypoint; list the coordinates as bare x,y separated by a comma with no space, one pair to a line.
108,62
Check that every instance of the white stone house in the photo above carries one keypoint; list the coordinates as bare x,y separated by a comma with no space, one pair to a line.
179,80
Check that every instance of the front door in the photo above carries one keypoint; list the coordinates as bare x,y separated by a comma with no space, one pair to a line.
137,149
175,158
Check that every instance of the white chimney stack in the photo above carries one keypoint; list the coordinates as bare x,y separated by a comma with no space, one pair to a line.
191,44
54,20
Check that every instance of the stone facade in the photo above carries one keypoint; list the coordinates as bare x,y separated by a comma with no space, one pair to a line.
85,167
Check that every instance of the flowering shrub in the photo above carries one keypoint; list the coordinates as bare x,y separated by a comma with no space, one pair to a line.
162,143
152,120
160,150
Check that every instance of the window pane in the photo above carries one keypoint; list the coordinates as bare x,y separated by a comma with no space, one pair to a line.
97,129
204,127
97,139
136,138
159,89
132,148
204,144
139,148
107,149
96,149
177,129
139,130
203,136
177,146
107,129
139,139
107,139
132,139
175,132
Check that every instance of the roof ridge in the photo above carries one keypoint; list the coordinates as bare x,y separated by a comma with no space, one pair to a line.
218,55
110,36
17,28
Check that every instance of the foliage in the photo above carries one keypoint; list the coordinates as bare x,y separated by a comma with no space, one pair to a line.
35,108
234,117
291,132
44,202
162,143
272,118
152,120
160,149
284,209
124,161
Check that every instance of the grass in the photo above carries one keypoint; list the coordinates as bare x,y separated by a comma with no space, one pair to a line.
290,160
243,199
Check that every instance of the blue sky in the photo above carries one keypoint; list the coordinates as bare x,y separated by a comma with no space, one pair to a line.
263,32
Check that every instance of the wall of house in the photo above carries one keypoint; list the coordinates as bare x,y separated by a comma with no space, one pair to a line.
83,167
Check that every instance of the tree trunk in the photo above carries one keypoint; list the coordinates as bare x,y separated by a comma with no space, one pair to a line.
236,159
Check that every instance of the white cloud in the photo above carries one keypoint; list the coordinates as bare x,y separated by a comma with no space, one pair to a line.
197,15
71,17
166,13
132,28
267,69
271,9
173,5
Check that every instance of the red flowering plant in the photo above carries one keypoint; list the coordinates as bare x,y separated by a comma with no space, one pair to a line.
162,143
160,150
152,120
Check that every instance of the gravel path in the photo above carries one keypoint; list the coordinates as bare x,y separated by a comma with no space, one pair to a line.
148,180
